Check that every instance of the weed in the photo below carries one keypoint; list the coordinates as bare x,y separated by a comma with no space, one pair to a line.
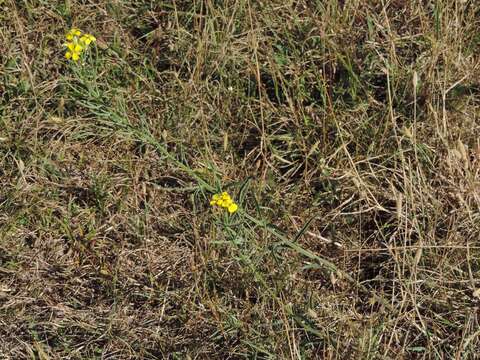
346,134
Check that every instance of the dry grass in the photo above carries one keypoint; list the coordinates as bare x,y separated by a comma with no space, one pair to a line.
348,132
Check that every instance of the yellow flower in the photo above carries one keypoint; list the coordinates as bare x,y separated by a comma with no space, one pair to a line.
224,200
214,200
72,33
232,208
75,32
85,40
76,44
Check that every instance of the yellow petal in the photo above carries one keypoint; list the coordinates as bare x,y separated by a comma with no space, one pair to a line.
232,208
69,37
78,48
77,32
87,41
70,46
92,38
68,54
75,56
215,197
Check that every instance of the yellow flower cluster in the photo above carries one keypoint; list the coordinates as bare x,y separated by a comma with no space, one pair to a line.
224,200
77,43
